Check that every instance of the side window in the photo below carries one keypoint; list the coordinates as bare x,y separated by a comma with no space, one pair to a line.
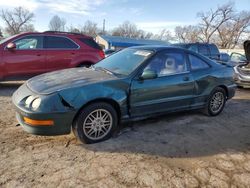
197,63
238,57
59,43
203,50
29,43
168,63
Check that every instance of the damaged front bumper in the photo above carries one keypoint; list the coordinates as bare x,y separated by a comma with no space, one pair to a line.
53,117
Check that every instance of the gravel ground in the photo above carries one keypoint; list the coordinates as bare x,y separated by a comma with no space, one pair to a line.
176,150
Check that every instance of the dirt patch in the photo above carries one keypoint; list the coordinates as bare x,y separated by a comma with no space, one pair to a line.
176,150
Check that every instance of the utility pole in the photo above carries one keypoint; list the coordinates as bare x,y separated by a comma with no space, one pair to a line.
103,27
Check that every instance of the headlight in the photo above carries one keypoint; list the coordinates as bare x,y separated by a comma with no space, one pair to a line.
36,103
29,100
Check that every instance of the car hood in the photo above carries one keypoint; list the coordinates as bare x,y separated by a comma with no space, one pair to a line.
247,49
69,78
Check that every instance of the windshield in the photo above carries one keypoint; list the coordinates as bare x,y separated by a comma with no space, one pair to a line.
4,40
125,61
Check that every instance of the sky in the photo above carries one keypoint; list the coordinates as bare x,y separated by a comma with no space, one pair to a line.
149,15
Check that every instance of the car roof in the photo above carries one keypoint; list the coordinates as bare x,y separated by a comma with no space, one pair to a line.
55,33
157,48
192,43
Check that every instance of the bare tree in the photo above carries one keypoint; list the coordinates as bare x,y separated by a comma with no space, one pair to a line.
74,29
164,34
230,33
130,30
148,35
188,34
224,26
16,20
90,28
126,29
213,19
57,24
28,28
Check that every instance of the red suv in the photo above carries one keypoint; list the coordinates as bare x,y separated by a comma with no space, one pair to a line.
29,54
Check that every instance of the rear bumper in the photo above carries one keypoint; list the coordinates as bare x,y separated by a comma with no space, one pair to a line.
243,82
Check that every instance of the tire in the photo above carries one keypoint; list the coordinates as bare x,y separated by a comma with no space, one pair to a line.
216,102
95,123
85,65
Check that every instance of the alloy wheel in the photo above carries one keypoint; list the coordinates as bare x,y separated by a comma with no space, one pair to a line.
217,102
97,124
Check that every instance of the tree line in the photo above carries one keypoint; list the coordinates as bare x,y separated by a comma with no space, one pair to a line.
223,26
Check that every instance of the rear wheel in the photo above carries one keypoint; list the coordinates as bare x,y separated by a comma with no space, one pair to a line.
96,123
216,102
86,65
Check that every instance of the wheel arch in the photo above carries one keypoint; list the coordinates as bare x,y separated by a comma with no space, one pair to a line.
112,102
225,88
80,64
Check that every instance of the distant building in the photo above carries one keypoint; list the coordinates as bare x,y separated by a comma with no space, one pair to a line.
116,42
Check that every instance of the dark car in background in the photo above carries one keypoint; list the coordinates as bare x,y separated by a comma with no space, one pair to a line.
30,54
209,50
131,84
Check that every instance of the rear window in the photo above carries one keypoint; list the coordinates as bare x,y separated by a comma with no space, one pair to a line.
197,63
91,43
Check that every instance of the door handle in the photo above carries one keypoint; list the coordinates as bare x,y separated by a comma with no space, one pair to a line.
185,78
38,54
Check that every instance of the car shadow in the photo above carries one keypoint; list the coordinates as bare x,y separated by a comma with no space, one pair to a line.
8,88
185,134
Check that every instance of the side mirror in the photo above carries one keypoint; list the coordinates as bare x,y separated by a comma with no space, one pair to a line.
11,46
148,74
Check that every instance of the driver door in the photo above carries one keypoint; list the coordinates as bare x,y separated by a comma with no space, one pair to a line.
171,90
28,58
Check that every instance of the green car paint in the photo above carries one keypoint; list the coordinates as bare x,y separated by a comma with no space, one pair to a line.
64,93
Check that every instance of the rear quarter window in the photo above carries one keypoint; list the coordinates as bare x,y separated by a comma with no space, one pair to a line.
91,43
196,63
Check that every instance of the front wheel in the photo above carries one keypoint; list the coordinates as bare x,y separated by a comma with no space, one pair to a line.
95,123
216,102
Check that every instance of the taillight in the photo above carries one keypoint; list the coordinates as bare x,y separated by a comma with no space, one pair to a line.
101,54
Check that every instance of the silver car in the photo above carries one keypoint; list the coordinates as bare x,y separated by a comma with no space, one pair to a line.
242,71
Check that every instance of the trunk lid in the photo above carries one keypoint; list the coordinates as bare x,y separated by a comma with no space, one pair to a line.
247,49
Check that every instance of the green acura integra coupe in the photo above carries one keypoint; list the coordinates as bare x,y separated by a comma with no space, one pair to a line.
134,83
